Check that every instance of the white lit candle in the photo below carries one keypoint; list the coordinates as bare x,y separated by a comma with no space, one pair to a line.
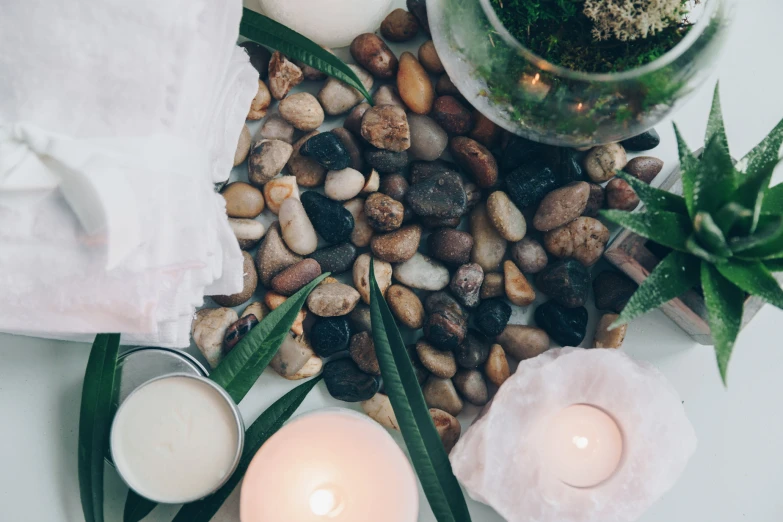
332,465
583,445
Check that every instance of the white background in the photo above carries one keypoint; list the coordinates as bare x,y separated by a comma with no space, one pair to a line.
734,476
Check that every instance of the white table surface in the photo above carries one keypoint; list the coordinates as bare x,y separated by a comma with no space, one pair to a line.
734,475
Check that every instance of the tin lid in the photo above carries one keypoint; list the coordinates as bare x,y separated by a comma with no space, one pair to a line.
139,365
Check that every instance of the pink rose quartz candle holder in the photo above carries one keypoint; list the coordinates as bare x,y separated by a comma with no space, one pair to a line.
576,435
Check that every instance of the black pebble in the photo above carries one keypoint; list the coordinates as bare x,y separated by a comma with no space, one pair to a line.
473,351
447,322
571,166
492,316
528,184
330,335
519,152
259,57
567,326
566,281
421,170
330,219
644,141
386,161
327,149
440,196
612,290
346,382
335,259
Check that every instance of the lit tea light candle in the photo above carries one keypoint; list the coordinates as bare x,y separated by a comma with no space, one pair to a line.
534,86
583,445
177,438
332,465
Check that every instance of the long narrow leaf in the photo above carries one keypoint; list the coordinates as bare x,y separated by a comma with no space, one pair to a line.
754,278
674,275
653,198
715,178
773,199
266,31
724,305
95,421
760,164
716,130
666,228
428,456
246,362
688,164
256,435
710,234
768,234
774,265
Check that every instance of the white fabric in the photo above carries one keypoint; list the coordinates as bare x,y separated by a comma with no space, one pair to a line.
116,120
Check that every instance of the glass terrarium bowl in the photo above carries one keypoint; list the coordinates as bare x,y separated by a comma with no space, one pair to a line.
541,101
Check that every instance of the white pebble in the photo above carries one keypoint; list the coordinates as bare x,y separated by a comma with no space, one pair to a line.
342,185
423,273
296,228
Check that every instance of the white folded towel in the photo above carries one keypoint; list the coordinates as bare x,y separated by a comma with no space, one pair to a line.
116,120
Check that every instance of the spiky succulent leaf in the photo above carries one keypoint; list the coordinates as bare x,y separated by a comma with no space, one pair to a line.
769,241
724,306
774,265
730,215
710,236
754,278
653,198
695,248
714,180
665,228
676,274
688,164
759,164
716,129
773,200
768,233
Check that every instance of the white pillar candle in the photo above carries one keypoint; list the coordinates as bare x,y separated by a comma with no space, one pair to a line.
331,23
583,445
332,465
176,439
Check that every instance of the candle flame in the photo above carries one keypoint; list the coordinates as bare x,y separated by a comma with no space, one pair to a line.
536,78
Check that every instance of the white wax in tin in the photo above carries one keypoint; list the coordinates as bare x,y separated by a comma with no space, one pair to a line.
174,440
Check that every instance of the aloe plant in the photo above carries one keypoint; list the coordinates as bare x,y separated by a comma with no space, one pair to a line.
725,232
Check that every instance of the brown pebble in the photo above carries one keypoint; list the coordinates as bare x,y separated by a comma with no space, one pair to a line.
278,190
583,239
645,168
496,368
406,306
441,363
529,255
447,426
518,289
273,255
249,284
273,300
383,212
302,110
596,200
386,127
397,246
388,95
399,26
450,246
523,342
395,186
476,159
309,173
260,103
243,146
485,131
373,54
472,386
493,286
507,219
243,200
466,284
293,278
414,85
444,86
362,352
562,206
620,195
353,122
362,231
332,299
452,115
606,338
428,57
237,331
603,162
284,75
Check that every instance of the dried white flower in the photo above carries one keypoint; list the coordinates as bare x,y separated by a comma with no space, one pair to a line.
632,19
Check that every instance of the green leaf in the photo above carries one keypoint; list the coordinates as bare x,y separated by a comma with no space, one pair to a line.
655,199
774,265
674,275
724,306
136,507
428,456
710,235
266,31
730,215
256,435
696,249
773,199
244,364
760,164
666,228
716,129
688,165
95,418
714,180
754,278
768,234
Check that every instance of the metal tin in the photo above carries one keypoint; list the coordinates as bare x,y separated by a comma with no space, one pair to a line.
139,365
240,425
